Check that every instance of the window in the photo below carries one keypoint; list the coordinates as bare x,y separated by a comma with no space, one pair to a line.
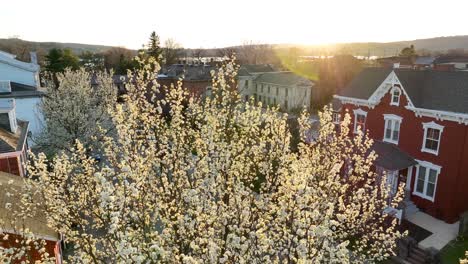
336,118
396,92
261,88
432,134
256,87
359,120
274,101
268,88
276,90
392,128
286,92
286,104
426,180
246,83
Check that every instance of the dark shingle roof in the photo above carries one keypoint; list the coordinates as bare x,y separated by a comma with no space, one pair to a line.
255,68
283,78
451,58
391,157
189,72
436,90
366,82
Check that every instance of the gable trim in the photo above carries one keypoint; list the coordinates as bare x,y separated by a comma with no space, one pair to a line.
440,115
387,85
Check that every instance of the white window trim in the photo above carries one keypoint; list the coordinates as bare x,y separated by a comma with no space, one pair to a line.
393,118
432,125
339,117
357,112
428,166
395,88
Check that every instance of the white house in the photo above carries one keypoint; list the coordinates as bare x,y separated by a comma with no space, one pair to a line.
17,71
20,80
276,88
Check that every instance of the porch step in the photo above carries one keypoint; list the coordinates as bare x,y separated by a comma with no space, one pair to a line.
416,256
410,208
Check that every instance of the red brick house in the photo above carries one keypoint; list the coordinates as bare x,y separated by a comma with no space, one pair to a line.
13,229
196,79
419,120
13,139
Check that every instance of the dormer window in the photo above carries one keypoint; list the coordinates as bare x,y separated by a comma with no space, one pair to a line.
396,92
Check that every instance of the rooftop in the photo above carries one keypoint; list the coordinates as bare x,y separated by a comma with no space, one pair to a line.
428,89
284,78
11,187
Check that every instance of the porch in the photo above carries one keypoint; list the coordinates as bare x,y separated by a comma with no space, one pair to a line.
398,165
442,233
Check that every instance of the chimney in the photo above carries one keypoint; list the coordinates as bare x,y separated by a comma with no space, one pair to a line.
33,56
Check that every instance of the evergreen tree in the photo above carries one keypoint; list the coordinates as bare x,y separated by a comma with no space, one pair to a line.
154,48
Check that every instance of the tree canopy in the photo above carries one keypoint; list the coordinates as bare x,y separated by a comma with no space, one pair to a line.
408,51
57,60
154,47
216,181
75,110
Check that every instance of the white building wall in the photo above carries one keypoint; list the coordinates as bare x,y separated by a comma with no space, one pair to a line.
27,109
15,74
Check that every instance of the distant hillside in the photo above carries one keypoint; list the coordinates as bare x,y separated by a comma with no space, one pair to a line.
21,48
75,47
434,45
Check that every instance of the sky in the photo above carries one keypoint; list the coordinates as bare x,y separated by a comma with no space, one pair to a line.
219,23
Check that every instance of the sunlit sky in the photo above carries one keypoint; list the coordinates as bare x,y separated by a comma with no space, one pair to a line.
218,23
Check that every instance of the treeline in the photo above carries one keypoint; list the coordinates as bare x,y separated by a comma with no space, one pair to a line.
54,58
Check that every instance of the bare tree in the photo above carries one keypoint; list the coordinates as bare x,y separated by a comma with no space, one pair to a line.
226,52
171,51
253,53
198,54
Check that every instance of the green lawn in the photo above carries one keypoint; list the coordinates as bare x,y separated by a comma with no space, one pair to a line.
454,251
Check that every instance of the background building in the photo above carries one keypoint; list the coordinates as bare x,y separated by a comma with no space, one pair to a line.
275,88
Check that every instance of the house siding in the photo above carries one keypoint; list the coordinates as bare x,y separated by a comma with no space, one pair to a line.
451,198
10,165
13,241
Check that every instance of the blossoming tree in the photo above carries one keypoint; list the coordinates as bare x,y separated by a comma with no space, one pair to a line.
215,181
75,109
465,261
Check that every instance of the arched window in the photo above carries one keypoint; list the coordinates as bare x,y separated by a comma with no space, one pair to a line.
396,92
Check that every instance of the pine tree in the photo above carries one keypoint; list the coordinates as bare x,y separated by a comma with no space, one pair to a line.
154,48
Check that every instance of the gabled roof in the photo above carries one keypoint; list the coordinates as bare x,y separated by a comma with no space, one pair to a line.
435,90
11,187
248,69
283,78
366,82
